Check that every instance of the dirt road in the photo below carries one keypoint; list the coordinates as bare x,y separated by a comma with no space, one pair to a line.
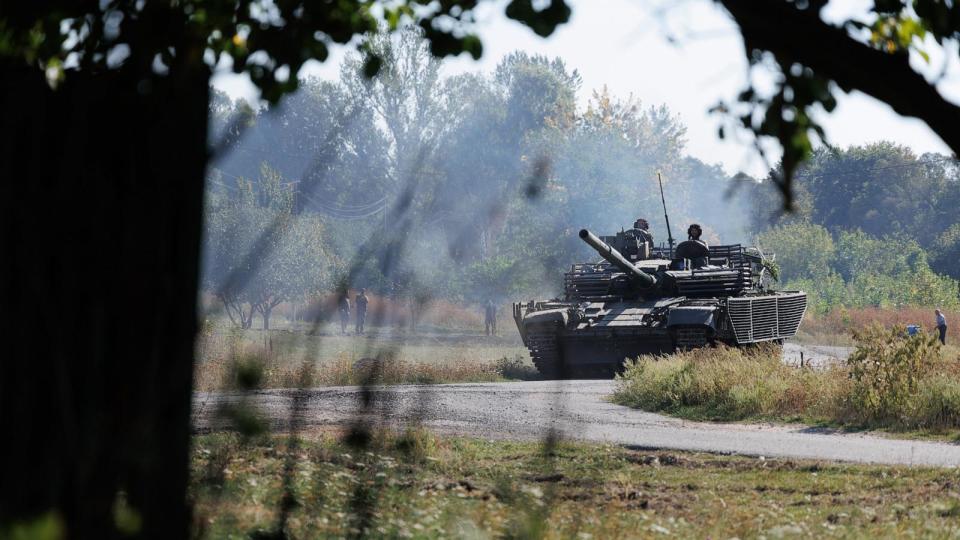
578,409
816,356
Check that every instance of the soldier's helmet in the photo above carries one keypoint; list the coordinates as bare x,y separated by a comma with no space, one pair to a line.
694,231
641,224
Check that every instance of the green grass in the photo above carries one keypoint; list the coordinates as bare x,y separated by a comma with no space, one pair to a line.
901,385
419,486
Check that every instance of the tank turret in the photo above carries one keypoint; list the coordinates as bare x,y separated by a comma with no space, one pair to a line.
614,257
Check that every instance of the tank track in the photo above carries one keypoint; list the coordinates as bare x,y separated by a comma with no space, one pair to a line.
545,351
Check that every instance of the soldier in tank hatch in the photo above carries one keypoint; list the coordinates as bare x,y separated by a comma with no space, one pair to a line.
694,232
642,228
643,238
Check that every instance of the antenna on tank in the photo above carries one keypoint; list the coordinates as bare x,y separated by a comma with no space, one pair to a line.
665,216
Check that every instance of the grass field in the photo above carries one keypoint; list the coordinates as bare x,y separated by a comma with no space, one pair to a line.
419,486
837,326
290,357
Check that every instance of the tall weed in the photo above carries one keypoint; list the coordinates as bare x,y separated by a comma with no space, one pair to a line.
890,381
727,383
887,368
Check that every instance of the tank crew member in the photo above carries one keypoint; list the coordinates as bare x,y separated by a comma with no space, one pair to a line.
361,303
694,232
343,306
641,232
490,317
643,227
942,327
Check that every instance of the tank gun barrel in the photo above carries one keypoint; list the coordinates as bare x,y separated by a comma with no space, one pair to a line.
615,258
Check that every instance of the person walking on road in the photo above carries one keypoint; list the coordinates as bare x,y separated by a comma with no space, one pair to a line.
343,307
490,317
942,327
361,304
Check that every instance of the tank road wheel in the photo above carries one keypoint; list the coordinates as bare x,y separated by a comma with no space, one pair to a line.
545,352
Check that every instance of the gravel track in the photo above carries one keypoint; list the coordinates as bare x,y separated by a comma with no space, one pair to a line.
576,409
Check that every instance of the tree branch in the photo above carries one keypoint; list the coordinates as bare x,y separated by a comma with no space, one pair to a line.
795,35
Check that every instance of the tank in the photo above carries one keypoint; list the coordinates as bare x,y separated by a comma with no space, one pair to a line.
640,299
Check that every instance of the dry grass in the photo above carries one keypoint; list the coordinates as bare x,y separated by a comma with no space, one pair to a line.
290,360
837,326
732,384
890,382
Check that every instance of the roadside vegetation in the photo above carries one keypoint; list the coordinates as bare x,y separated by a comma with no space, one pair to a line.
416,485
889,382
836,326
286,358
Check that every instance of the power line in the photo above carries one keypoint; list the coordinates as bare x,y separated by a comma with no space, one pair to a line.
338,207
341,213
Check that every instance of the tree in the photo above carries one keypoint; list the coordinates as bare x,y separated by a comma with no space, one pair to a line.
802,250
313,138
946,252
859,253
291,259
818,59
405,95
115,221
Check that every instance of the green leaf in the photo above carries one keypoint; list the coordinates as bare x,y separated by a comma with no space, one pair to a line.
372,65
542,22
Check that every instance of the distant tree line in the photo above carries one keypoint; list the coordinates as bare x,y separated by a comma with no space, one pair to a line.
495,173
875,225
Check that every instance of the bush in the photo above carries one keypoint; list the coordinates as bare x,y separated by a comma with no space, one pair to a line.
890,381
887,368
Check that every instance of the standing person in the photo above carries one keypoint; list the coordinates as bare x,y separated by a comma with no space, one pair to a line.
942,327
343,306
490,317
361,304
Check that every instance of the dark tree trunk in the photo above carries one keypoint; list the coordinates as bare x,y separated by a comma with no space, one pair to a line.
266,316
230,306
101,206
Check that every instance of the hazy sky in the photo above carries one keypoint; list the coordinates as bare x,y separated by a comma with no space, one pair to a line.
686,54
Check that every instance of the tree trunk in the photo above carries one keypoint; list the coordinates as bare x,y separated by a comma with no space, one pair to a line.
267,308
248,318
229,308
101,204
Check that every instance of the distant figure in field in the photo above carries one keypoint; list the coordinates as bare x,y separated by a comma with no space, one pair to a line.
361,303
942,327
490,317
343,306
